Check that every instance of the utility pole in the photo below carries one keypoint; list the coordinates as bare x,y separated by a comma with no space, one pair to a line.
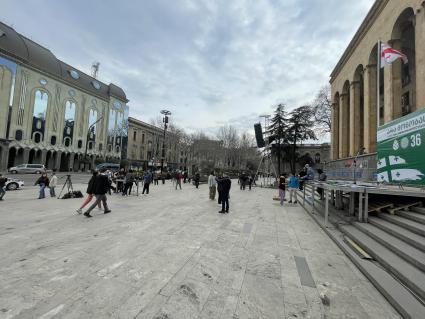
166,113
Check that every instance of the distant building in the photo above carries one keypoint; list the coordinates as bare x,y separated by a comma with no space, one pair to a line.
51,113
145,144
316,155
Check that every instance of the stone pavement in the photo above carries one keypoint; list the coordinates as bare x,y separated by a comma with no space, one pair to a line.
171,255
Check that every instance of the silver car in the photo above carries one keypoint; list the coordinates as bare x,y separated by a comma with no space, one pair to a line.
28,169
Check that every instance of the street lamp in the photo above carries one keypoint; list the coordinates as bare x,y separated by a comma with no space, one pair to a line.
166,113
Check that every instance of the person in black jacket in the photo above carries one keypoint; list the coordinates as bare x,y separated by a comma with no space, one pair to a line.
90,192
223,187
43,182
100,188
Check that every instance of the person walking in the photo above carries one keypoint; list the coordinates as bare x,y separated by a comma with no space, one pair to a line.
250,179
3,181
282,182
224,193
147,179
197,179
293,186
179,177
90,192
212,184
43,182
128,183
52,184
101,186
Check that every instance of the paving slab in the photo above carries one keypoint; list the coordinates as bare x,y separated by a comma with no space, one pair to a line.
169,254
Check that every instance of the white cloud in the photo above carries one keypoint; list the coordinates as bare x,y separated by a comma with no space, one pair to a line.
210,62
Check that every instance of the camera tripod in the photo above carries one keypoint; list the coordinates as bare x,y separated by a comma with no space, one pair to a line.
68,184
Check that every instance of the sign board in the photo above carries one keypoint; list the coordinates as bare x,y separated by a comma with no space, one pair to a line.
401,152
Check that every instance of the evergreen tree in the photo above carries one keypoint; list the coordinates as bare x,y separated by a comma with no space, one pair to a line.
277,131
300,127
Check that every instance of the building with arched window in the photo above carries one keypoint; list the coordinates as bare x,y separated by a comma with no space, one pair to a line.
53,114
401,24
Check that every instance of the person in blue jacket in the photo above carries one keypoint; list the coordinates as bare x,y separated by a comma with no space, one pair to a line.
293,186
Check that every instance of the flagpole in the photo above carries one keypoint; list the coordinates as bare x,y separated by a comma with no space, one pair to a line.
378,80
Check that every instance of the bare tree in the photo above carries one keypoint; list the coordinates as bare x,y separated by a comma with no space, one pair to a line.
322,107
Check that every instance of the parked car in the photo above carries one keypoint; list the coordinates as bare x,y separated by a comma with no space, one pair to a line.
111,166
13,184
28,169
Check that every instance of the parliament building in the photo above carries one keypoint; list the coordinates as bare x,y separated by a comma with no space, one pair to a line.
54,114
400,24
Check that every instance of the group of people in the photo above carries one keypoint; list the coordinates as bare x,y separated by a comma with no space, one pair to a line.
45,182
222,185
245,179
296,182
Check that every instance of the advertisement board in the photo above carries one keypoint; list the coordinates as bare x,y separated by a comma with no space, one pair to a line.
401,152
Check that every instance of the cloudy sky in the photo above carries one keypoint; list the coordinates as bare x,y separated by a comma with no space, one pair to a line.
208,61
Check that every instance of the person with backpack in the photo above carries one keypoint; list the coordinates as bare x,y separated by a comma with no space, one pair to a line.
101,186
43,182
90,193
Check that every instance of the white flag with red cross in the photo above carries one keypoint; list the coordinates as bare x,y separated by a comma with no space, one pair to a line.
389,55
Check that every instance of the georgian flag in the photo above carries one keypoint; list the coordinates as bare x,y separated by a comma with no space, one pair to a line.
389,55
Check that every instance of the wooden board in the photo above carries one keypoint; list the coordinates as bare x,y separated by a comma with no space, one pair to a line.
402,207
378,207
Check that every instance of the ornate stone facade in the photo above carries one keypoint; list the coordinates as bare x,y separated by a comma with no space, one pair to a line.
54,114
354,79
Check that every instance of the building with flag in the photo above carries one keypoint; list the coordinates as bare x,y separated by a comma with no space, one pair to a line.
365,87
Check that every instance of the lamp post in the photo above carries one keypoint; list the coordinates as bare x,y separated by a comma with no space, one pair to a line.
166,113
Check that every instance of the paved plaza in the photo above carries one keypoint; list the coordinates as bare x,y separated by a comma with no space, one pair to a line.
171,255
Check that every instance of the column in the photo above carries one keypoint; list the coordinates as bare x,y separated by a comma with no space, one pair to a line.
335,130
57,164
71,161
370,112
4,158
26,155
43,157
354,118
420,59
343,126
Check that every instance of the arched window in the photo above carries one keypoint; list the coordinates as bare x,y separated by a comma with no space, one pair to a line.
67,141
18,135
41,100
80,143
53,140
90,145
100,147
68,128
37,137
317,158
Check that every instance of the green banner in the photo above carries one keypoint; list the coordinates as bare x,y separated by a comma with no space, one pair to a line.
401,153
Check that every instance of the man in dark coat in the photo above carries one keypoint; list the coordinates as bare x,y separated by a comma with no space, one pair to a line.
223,187
101,186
